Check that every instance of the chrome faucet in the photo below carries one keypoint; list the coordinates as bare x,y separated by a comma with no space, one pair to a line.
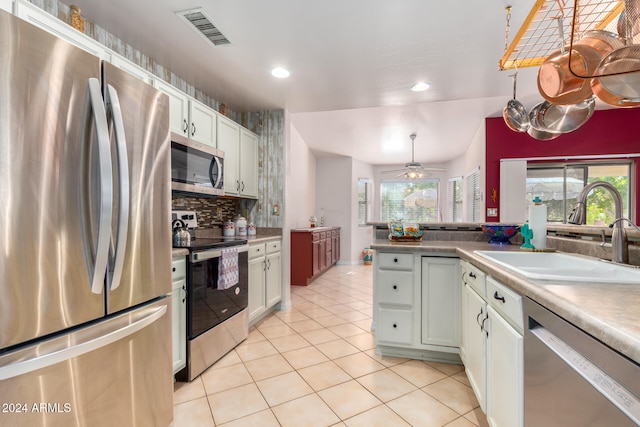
578,215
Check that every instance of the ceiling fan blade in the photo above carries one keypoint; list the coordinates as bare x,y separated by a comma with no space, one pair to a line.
434,169
393,171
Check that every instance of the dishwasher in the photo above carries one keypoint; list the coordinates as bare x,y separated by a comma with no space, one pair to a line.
572,379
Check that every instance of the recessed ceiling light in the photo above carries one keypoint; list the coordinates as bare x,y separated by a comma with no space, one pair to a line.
280,73
420,86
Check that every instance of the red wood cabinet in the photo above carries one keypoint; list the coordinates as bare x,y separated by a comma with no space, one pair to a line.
313,250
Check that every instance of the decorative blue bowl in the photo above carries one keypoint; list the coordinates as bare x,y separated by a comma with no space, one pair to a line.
499,234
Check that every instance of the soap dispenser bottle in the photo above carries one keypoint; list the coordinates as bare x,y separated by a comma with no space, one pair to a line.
538,223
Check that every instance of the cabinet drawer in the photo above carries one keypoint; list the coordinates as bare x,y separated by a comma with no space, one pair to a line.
474,277
256,251
178,268
315,236
273,247
395,287
395,326
506,302
393,261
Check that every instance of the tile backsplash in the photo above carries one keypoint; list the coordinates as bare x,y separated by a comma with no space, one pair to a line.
211,212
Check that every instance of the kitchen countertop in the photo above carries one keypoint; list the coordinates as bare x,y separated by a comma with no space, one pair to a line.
307,229
608,312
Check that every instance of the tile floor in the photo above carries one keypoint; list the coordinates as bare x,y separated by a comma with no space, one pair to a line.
315,365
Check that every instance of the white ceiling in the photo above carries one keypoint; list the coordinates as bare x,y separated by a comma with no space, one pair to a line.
352,63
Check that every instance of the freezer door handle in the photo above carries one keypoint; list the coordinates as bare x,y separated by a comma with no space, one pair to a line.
61,349
118,248
94,110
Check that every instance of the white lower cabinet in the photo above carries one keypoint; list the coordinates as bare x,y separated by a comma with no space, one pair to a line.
179,312
265,278
417,306
493,342
505,369
441,301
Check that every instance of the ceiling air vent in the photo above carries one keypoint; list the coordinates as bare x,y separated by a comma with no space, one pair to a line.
199,21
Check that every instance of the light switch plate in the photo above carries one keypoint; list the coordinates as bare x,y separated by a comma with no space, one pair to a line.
276,209
492,211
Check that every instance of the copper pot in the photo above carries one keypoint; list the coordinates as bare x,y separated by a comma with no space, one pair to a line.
594,46
557,78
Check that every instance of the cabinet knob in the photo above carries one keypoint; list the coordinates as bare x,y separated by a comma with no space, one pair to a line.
472,275
498,297
395,325
395,287
173,269
395,260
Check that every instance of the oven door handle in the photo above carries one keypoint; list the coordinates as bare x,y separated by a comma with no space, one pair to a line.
207,255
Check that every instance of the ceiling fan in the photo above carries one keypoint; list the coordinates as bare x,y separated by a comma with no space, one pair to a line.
412,170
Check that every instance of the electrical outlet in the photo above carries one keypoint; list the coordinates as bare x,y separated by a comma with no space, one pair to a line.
275,210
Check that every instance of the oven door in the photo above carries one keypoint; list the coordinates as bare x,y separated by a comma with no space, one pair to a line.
206,305
197,168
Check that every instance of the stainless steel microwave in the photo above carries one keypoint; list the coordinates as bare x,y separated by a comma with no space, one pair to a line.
197,169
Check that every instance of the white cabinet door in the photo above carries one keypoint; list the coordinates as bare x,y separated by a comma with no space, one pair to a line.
440,301
40,18
229,142
504,373
179,320
464,313
248,163
256,287
179,312
203,123
273,279
476,344
178,108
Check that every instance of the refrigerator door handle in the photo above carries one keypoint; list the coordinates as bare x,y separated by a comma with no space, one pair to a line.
120,246
94,110
49,353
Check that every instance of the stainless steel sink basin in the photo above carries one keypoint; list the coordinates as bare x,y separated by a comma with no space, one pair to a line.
562,267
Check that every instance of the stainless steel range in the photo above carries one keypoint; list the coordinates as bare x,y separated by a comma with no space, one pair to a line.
217,318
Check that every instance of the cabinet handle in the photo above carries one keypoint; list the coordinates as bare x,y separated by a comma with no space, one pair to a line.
268,264
472,275
193,128
186,125
463,278
242,183
264,265
482,328
395,287
237,185
498,297
184,290
478,318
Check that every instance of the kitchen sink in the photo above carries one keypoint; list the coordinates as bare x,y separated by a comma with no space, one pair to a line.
563,267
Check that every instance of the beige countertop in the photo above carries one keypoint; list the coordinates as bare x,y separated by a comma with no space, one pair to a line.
307,229
608,312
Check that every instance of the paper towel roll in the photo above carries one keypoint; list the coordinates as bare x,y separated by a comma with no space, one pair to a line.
538,224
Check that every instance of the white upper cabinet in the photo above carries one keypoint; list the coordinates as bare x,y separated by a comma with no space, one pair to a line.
248,163
178,108
229,142
202,124
40,18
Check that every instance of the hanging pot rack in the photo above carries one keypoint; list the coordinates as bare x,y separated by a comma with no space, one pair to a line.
537,38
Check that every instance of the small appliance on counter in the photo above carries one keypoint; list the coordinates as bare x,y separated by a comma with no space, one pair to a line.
189,222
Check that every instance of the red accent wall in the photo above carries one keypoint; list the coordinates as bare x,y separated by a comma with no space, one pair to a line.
615,131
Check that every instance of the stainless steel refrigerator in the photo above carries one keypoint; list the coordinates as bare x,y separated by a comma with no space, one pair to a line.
85,250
